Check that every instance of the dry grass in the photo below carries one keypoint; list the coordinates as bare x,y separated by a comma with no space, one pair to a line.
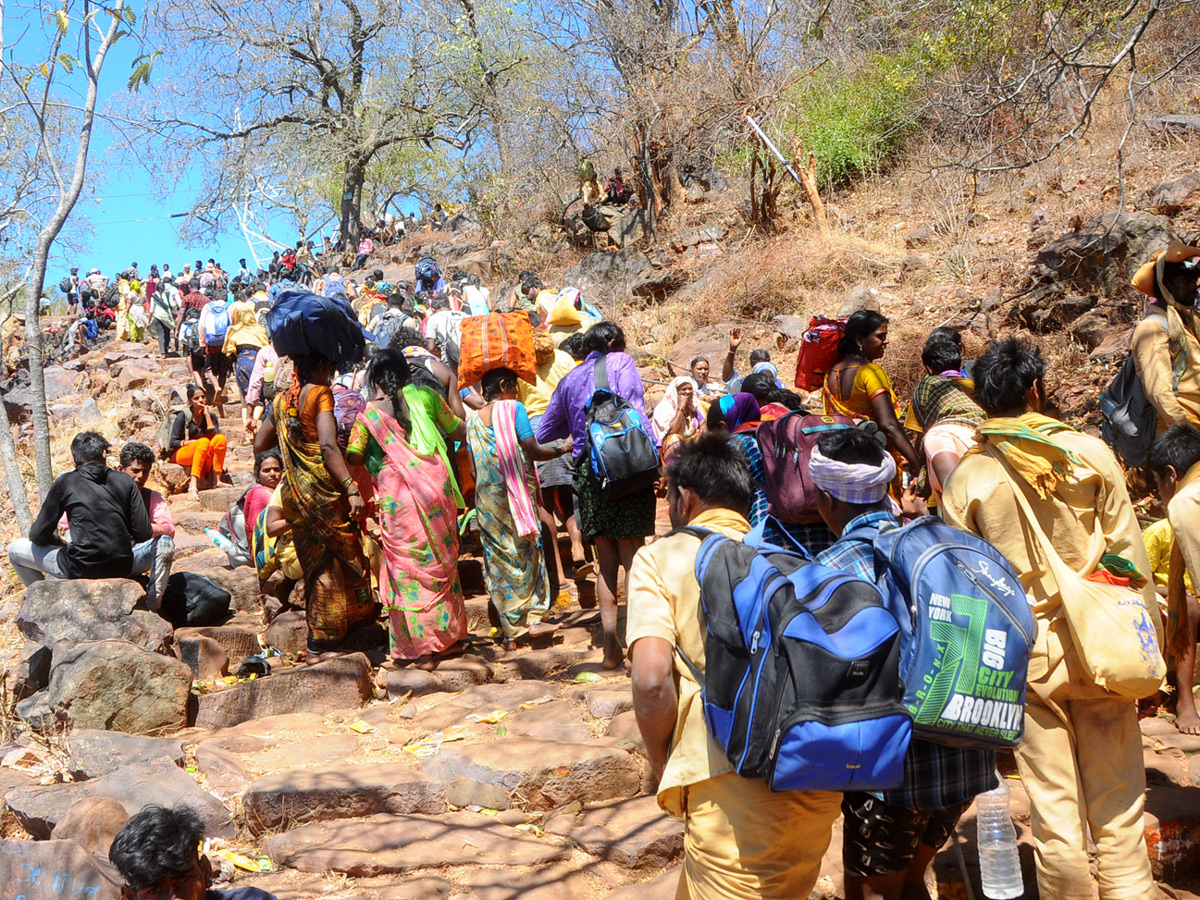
801,274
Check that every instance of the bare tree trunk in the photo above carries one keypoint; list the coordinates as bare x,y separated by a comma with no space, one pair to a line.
68,195
352,188
12,472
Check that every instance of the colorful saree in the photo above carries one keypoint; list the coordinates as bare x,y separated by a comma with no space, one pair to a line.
328,547
506,491
418,573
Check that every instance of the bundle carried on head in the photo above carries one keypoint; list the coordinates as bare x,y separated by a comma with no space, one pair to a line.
303,324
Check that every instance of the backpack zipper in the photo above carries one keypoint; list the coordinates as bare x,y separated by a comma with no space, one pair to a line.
996,601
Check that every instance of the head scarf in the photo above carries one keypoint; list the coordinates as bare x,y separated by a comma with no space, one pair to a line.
665,411
1027,444
937,399
739,409
766,366
852,482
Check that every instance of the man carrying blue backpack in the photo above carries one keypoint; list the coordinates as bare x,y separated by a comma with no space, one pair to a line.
742,839
891,836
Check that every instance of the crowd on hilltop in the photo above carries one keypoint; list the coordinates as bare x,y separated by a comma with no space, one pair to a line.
492,420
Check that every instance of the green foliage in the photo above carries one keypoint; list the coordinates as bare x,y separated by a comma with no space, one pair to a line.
854,123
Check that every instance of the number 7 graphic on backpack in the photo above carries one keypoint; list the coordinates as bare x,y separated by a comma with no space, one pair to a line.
961,647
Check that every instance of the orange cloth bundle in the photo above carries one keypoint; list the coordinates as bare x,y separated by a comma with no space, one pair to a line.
494,341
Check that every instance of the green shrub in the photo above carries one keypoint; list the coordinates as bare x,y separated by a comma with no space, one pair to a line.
854,123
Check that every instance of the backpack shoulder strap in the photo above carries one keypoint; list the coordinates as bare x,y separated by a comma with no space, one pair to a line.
600,368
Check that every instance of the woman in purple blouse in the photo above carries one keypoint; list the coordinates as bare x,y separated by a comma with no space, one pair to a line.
616,528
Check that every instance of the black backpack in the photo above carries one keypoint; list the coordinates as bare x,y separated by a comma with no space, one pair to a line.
65,285
193,600
621,454
1128,419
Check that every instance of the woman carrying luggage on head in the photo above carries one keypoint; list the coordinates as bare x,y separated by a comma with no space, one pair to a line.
323,506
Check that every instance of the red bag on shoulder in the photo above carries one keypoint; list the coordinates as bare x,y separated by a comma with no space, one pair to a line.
818,351
495,341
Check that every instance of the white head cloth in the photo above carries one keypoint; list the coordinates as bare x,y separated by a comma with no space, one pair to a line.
852,482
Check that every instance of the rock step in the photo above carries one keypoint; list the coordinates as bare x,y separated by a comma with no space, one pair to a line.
633,833
534,773
57,865
1172,822
385,844
288,799
336,684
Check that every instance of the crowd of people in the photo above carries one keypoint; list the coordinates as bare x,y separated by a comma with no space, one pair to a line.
373,477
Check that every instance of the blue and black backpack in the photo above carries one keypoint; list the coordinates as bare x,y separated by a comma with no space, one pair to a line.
801,684
968,630
621,454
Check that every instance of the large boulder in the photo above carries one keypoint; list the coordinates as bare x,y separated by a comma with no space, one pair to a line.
54,611
609,274
93,823
95,753
335,684
39,809
629,229
1171,197
1100,257
52,870
117,686
61,382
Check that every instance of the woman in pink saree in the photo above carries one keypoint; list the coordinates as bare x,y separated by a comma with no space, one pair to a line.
418,576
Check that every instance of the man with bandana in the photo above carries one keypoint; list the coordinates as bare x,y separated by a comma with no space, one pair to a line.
1166,343
890,837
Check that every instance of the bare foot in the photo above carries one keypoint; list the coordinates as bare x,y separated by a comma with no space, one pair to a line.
1188,723
613,655
537,629
425,663
193,494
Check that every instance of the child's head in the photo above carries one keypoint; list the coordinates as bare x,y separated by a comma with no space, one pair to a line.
157,852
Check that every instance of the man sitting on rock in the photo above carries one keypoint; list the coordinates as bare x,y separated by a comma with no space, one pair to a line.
741,839
155,556
107,515
158,854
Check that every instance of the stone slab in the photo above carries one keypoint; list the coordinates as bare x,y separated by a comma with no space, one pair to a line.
635,833
543,774
341,683
39,809
384,844
288,799
95,752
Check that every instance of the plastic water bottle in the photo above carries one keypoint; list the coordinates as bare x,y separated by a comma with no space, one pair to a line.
999,861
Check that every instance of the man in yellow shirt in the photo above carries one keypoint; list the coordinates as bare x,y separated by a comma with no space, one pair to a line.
1175,462
1081,757
1166,343
742,842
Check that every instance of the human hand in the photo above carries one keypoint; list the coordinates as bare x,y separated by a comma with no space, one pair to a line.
913,504
357,507
735,340
568,445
